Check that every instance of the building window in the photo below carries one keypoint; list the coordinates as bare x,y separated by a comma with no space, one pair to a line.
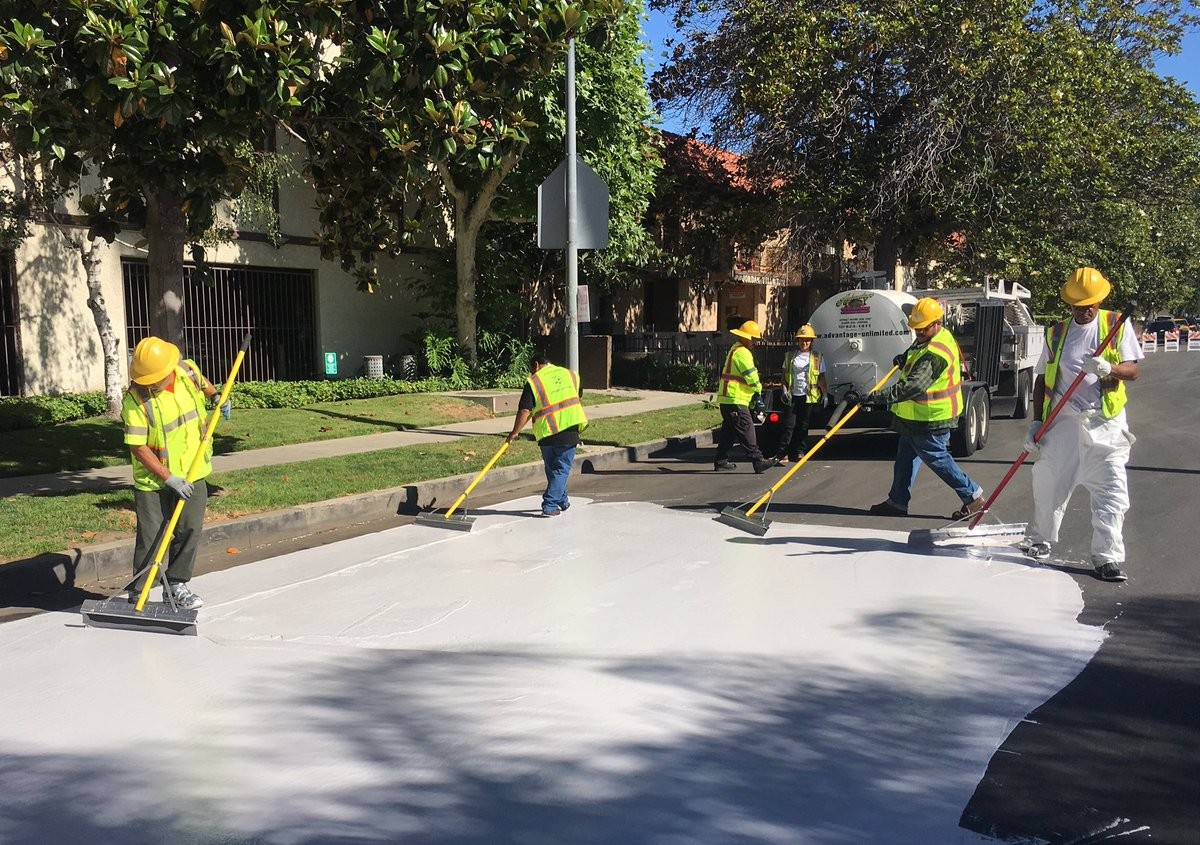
10,347
276,306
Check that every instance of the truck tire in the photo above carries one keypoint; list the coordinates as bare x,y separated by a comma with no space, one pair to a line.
962,439
983,418
1024,395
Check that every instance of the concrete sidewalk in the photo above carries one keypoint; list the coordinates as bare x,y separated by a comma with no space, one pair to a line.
108,478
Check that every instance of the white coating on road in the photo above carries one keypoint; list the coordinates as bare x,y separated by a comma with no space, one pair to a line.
623,673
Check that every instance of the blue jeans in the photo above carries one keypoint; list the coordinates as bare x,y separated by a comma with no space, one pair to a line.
933,450
558,461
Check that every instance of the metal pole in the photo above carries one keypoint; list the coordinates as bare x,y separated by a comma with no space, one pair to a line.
572,255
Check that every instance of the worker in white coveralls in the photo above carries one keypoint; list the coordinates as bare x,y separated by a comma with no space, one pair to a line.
1088,441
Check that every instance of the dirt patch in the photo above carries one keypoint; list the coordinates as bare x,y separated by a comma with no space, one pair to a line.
460,411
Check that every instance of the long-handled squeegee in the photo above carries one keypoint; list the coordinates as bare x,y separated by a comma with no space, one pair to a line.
758,525
957,531
164,617
460,522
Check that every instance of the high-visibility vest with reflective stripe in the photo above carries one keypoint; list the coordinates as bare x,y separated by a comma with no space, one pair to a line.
739,377
557,405
943,398
814,374
1112,390
171,423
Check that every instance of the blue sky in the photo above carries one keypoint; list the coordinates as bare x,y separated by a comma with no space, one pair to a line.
1185,67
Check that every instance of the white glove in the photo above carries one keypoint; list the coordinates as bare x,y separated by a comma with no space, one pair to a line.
1031,447
181,486
1097,367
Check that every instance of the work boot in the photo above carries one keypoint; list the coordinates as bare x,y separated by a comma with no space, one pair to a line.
724,466
886,508
1037,551
1110,572
185,599
764,465
969,509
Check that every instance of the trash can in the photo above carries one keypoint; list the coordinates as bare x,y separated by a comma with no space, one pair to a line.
374,365
408,367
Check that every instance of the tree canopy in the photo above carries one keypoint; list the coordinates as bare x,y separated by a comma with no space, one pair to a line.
425,111
163,102
994,136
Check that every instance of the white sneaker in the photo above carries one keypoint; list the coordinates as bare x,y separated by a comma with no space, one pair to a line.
1036,551
185,599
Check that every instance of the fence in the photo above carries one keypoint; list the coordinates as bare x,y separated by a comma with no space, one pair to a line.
276,306
706,349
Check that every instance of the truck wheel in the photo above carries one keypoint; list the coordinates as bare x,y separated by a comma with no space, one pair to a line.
962,439
983,417
1024,395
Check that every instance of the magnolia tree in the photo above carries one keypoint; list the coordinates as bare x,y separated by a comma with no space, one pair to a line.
162,102
423,112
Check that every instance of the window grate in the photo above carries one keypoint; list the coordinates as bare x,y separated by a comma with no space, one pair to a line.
10,350
275,306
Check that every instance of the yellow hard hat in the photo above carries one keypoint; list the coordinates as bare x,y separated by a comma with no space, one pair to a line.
1087,286
153,359
926,311
806,331
749,329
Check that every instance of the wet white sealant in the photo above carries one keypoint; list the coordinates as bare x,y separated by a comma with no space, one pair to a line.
622,673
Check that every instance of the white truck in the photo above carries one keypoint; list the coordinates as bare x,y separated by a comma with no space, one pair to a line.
859,332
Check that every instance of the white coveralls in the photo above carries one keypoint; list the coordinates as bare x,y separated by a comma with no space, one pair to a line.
1082,447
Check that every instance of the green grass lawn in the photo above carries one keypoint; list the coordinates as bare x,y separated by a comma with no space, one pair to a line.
87,444
31,525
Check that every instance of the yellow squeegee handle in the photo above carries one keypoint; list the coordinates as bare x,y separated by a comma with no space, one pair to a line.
845,419
503,448
192,470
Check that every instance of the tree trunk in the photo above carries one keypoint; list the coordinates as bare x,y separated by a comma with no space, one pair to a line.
885,254
166,236
90,254
466,310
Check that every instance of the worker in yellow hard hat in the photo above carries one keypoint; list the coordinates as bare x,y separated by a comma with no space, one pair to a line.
1088,442
164,413
926,403
740,390
804,387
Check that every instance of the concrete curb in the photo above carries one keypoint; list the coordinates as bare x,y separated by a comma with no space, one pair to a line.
93,564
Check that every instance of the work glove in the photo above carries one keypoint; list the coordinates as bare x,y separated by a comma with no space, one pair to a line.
1097,367
899,360
785,397
227,409
181,486
756,403
1033,448
871,400
827,401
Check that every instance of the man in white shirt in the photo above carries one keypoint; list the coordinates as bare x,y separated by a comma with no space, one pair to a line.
804,388
1089,440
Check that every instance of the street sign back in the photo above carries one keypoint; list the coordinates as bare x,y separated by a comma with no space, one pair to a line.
591,205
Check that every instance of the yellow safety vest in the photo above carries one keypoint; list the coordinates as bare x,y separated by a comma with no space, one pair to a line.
1112,390
814,374
169,422
739,377
943,398
557,405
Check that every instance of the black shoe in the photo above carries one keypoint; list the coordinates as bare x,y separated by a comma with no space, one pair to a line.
886,508
721,466
764,465
1110,572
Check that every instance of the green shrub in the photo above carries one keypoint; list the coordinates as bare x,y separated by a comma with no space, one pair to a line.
37,411
635,372
684,378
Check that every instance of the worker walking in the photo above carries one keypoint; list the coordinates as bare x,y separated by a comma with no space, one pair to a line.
803,388
552,399
1089,440
740,390
164,413
926,403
